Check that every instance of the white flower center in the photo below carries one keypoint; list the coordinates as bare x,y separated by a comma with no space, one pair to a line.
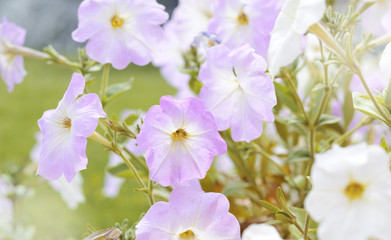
117,21
179,135
188,235
354,190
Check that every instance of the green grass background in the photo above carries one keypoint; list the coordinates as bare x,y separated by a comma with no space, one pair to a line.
41,90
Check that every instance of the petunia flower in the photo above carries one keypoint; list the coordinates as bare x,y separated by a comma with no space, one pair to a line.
245,21
295,18
180,138
351,193
11,66
188,19
190,214
71,192
237,91
65,130
261,231
120,31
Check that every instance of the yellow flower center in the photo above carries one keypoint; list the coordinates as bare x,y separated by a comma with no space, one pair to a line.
242,18
67,123
179,135
117,21
188,235
354,190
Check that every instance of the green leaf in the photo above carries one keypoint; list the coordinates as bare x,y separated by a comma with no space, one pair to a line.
365,105
299,155
131,118
347,108
270,207
121,171
235,189
285,96
301,215
327,119
116,90
383,144
388,95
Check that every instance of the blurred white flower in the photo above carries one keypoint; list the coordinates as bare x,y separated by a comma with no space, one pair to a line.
260,232
351,193
385,62
6,205
70,192
295,18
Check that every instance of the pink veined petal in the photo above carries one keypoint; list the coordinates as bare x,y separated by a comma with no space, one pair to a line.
177,163
85,114
160,137
160,222
75,88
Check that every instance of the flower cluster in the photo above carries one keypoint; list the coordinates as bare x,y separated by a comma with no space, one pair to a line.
274,117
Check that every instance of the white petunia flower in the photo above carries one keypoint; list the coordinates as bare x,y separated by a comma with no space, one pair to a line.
351,193
261,231
295,18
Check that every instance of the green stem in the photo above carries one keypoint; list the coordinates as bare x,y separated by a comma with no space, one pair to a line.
363,122
326,96
326,37
306,226
97,137
105,80
34,54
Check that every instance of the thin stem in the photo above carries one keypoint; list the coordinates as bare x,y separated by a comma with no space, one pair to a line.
105,80
363,122
326,96
97,137
25,52
35,54
306,226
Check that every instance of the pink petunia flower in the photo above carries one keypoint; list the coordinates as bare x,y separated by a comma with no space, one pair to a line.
237,91
190,214
245,21
120,31
180,138
65,130
11,66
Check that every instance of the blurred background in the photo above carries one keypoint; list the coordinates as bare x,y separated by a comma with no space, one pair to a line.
51,22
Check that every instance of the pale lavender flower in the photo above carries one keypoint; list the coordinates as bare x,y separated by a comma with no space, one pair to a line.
237,91
120,31
245,21
65,130
11,66
189,214
189,19
71,192
180,138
